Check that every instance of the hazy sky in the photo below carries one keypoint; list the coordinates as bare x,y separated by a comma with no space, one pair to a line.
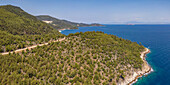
99,11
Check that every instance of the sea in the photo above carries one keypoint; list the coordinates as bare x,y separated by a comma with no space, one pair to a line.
154,37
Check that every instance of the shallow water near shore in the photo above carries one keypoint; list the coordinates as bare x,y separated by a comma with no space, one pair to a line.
154,37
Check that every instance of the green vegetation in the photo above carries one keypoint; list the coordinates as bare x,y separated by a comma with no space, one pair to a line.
10,42
15,21
63,24
82,58
56,23
19,29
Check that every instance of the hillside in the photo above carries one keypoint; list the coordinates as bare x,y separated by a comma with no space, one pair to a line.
19,29
63,24
89,58
56,23
16,21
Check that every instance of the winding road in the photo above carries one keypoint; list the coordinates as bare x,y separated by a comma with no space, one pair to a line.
34,46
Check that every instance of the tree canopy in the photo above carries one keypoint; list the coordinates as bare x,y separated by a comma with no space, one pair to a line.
82,58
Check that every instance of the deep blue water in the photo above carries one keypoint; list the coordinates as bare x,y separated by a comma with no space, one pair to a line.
156,37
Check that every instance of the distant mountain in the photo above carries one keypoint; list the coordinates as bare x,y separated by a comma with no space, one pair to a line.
56,23
63,24
96,24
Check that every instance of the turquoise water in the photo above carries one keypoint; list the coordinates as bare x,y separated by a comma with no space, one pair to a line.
156,37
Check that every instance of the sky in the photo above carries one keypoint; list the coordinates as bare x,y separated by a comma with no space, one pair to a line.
99,11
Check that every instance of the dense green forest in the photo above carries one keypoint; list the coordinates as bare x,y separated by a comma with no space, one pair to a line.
15,21
82,58
10,42
19,29
89,58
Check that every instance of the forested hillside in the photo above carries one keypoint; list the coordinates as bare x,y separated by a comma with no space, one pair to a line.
82,58
15,21
89,58
19,29
56,23
63,24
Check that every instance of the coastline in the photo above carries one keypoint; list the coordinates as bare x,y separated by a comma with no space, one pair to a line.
146,72
146,69
60,30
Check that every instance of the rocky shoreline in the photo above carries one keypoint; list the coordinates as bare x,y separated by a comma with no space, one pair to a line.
146,63
146,69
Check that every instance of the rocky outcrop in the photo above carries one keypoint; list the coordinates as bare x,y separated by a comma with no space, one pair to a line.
135,74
